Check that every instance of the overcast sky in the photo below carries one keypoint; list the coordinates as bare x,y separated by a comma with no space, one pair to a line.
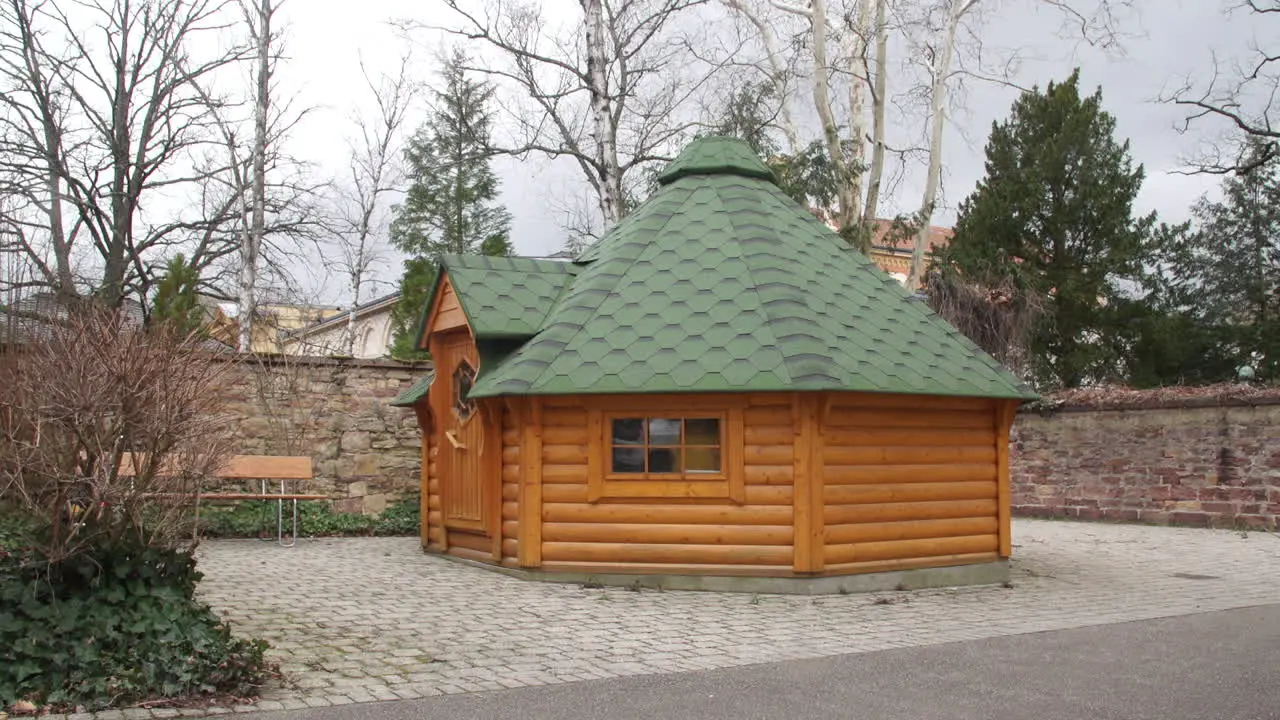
1167,39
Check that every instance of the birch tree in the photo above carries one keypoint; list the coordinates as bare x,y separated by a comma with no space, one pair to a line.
608,91
373,177
258,18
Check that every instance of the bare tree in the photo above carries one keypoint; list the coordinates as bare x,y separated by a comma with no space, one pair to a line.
1241,97
258,16
375,174
625,71
100,112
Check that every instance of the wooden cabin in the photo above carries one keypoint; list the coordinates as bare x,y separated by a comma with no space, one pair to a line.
721,387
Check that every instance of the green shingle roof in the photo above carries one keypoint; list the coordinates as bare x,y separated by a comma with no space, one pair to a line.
720,282
506,297
414,392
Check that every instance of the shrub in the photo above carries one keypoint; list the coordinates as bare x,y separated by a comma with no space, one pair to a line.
106,431
115,625
315,519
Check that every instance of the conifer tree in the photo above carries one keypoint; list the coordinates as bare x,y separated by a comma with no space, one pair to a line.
1054,215
450,206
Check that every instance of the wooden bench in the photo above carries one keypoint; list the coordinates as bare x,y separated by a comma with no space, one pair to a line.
264,468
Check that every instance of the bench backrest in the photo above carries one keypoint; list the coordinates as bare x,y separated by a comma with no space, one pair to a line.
250,467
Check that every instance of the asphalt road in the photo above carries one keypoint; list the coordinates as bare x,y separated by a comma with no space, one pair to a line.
1216,666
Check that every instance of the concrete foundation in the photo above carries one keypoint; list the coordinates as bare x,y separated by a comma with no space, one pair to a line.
992,573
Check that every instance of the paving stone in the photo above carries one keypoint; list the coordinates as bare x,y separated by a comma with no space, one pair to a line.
366,615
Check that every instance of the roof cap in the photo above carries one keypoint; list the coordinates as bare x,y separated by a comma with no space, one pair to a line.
716,155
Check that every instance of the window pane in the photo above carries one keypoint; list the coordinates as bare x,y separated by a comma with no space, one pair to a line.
664,460
628,460
702,431
702,459
628,431
663,431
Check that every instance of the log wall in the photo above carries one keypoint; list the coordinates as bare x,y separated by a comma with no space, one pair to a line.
668,535
909,482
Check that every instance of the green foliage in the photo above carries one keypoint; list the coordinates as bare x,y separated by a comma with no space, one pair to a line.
449,207
315,519
1054,217
114,626
177,303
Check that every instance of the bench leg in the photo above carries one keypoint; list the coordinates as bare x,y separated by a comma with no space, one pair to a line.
280,520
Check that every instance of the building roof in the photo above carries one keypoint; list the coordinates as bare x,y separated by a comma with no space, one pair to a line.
384,303
720,282
506,297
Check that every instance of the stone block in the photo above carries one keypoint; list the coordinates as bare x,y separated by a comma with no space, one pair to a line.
356,440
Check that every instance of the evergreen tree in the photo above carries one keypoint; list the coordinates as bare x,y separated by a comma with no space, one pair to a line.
450,205
177,303
1054,216
1226,273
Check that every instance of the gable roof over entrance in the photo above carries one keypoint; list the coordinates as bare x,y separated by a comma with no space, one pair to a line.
721,282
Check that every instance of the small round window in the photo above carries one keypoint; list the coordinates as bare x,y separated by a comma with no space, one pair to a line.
463,378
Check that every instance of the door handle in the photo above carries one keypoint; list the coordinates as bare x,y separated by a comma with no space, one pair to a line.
453,440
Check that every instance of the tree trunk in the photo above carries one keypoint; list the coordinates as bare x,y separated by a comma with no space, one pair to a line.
859,75
121,213
938,117
822,103
253,241
603,129
878,101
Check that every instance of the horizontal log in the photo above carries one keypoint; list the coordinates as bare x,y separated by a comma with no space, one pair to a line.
859,401
909,530
435,535
479,543
511,436
510,455
669,569
767,454
906,418
510,548
776,415
510,510
435,519
559,435
768,434
653,553
910,563
909,437
900,549
558,474
907,454
864,474
768,495
908,492
510,528
769,474
564,454
433,484
668,534
564,493
510,491
433,501
558,512
890,512
511,473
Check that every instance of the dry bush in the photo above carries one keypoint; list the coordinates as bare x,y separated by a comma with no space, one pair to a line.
83,395
999,317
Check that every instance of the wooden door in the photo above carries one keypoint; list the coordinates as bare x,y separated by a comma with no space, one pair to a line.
463,488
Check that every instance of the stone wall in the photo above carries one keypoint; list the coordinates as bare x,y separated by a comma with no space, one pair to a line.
1185,463
365,452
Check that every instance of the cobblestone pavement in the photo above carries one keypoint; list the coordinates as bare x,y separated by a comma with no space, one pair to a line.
365,619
